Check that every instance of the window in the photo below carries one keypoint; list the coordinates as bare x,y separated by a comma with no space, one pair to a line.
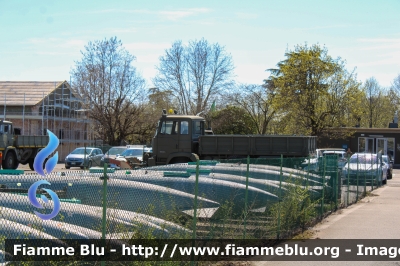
169,127
184,127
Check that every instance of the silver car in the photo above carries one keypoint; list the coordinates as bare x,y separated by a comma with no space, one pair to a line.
365,167
112,154
84,157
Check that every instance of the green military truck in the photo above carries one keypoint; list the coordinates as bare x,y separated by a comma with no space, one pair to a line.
16,149
183,138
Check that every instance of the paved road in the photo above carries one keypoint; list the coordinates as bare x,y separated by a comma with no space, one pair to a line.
59,167
375,217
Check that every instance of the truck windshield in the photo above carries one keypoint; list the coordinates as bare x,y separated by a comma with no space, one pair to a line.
169,127
3,128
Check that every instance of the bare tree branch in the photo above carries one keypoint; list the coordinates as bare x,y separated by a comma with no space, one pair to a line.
113,89
195,73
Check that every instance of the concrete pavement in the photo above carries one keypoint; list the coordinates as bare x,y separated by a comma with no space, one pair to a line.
374,217
59,167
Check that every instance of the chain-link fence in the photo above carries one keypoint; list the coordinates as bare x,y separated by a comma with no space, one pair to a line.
228,199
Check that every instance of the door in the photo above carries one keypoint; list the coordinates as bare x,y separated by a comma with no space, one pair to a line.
366,145
167,139
381,145
185,137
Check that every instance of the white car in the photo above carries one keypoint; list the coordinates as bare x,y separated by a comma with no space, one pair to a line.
133,151
311,164
342,157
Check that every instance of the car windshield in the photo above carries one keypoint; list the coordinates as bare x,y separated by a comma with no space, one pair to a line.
334,153
132,152
115,151
81,151
363,159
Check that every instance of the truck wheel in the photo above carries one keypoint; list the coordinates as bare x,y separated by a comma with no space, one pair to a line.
9,161
31,164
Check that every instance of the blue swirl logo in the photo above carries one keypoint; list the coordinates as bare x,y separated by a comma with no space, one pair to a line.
44,153
32,198
38,167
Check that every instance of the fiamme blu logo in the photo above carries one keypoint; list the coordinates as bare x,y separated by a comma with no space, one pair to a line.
38,165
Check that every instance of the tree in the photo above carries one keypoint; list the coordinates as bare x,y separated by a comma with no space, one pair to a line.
395,92
373,98
380,104
113,89
195,74
157,101
257,102
306,88
232,120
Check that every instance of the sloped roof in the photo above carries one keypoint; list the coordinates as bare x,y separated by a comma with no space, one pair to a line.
14,92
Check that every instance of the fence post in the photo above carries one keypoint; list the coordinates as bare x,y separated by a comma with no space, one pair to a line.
336,184
279,200
246,197
323,187
308,171
348,182
372,177
196,192
365,185
84,159
194,225
104,217
357,181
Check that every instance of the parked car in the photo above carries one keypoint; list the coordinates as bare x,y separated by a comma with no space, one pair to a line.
366,167
84,157
342,157
387,160
312,164
112,153
132,151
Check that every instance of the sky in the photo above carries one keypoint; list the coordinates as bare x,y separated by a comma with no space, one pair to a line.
42,40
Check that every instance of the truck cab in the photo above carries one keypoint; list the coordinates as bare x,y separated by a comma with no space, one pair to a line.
176,139
6,134
16,148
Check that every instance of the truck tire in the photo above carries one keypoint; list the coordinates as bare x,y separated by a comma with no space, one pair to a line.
10,161
31,164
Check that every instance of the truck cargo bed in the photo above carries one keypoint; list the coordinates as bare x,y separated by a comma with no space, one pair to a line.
256,145
31,141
